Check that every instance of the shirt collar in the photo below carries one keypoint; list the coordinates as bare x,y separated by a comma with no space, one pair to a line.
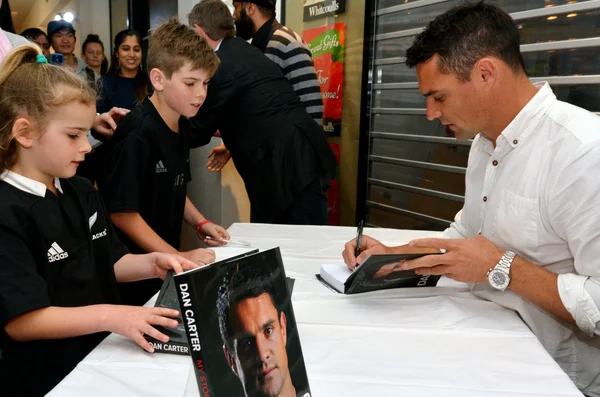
149,107
528,118
219,45
262,36
26,184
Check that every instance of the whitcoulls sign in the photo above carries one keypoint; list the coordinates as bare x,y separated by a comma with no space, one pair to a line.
315,9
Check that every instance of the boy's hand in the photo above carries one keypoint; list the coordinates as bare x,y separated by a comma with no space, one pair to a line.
219,156
201,256
216,232
135,322
164,262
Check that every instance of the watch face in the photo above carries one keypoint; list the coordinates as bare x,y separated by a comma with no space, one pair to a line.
498,279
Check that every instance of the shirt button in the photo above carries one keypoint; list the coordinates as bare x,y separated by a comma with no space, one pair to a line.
495,163
515,141
484,199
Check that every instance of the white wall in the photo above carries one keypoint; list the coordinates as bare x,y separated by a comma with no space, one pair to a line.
90,17
94,17
220,197
42,12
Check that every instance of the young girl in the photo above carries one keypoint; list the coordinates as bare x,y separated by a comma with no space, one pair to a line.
60,259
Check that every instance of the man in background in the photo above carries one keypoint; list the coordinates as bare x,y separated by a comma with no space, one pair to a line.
278,149
62,37
255,20
38,37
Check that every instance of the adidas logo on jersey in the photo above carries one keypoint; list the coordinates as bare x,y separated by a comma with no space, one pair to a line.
55,253
99,235
160,167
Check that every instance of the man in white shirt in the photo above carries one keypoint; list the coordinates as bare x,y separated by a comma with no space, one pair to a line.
528,236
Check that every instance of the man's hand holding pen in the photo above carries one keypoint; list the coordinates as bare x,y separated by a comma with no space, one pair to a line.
368,246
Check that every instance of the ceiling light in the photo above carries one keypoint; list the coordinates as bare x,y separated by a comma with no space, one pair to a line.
69,17
552,18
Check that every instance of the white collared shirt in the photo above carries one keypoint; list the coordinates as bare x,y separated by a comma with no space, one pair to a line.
537,193
26,184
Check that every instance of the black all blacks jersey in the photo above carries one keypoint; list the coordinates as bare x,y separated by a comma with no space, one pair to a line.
148,172
56,250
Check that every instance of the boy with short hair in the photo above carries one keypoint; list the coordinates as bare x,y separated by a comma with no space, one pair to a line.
148,168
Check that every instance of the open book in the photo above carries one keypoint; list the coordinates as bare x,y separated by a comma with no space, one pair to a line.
375,273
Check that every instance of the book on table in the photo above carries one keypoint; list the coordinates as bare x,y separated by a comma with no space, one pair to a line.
377,272
167,297
241,328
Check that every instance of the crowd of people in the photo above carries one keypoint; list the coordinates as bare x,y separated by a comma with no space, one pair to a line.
81,254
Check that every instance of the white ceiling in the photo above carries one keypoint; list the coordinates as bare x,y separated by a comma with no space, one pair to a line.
20,9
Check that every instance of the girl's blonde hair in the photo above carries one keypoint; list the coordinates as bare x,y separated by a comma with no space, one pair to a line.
33,90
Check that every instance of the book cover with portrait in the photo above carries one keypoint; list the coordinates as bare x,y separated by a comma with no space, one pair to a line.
241,328
167,297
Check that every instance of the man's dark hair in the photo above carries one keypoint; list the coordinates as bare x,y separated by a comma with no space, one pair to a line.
241,283
214,17
463,35
33,33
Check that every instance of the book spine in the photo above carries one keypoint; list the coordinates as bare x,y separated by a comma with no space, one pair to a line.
188,304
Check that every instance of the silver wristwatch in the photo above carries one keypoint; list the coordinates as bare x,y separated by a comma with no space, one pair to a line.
499,276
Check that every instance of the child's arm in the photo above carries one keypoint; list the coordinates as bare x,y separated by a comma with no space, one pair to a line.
137,230
65,322
27,313
193,217
141,267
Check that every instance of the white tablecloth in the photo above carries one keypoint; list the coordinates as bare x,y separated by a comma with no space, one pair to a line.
412,342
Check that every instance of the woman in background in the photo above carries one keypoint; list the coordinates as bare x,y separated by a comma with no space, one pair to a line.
125,84
92,51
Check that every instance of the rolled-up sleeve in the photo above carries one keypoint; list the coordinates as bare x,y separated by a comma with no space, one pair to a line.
575,215
575,294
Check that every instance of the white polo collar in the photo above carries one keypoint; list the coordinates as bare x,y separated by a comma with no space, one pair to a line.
26,184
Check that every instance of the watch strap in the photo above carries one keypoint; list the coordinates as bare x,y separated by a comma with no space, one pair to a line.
505,262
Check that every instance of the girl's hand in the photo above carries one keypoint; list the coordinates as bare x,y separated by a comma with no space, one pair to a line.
164,262
135,322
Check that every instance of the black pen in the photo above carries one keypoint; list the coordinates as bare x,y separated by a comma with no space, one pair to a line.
359,234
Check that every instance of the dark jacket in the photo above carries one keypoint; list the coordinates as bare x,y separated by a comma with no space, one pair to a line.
276,146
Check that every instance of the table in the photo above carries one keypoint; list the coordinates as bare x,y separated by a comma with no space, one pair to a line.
428,342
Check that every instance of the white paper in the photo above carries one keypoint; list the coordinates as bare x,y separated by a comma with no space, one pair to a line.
336,275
